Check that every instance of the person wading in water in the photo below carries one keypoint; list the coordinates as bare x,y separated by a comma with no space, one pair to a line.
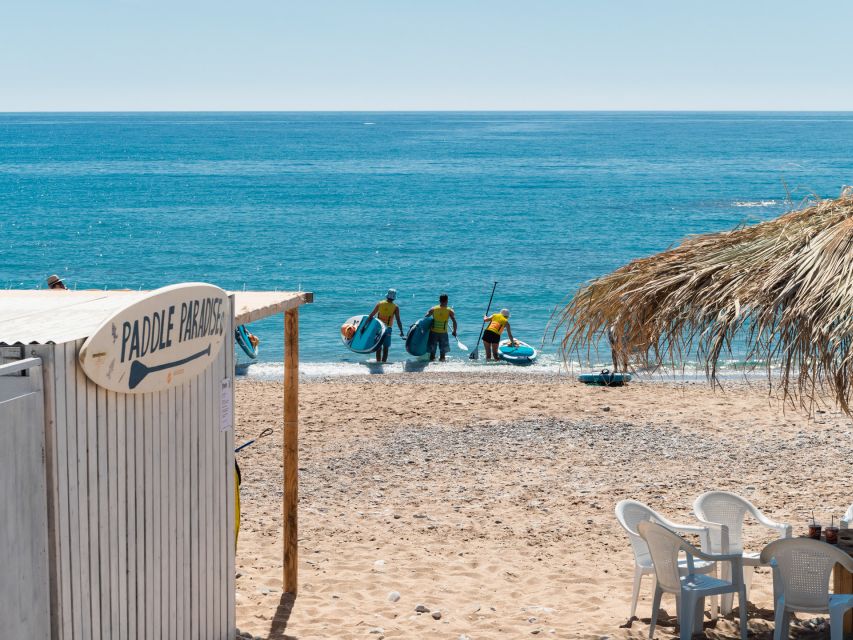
387,311
438,334
492,335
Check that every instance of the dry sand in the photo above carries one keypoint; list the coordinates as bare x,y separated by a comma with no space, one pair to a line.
490,499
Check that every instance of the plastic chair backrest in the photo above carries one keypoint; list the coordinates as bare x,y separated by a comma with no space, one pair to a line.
724,508
630,514
804,567
664,546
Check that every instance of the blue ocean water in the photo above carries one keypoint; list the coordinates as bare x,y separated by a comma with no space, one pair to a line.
349,204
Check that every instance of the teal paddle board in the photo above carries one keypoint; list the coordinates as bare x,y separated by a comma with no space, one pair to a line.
361,336
605,378
241,334
416,339
517,353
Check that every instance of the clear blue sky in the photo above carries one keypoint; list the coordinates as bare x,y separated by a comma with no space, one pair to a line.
436,54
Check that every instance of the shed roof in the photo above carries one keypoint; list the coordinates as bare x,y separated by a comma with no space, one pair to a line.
55,316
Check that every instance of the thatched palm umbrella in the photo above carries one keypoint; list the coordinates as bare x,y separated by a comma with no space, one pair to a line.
785,286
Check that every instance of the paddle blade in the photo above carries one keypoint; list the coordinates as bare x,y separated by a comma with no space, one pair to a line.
461,346
474,354
138,371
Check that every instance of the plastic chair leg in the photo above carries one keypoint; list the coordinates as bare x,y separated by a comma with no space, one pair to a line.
727,599
748,573
715,607
744,610
655,609
685,618
691,615
836,623
638,577
837,609
782,620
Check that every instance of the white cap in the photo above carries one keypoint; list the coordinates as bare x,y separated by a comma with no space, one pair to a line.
392,294
505,313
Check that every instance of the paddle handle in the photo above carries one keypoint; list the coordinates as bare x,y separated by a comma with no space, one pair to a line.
488,308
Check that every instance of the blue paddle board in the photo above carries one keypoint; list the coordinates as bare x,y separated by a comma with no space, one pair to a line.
518,353
416,339
241,335
361,336
605,378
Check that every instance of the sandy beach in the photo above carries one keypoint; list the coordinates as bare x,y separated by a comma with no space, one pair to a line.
489,499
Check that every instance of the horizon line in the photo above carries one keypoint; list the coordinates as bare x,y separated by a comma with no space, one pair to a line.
106,111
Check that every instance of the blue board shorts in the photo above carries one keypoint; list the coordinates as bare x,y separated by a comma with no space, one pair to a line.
440,340
386,338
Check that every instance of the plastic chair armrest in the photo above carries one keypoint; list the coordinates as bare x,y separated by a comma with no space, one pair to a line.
701,531
783,528
716,526
736,560
847,562
718,557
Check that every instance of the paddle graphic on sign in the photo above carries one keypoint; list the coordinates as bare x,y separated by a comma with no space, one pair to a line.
160,341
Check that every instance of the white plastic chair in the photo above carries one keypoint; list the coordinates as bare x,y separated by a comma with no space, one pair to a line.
730,509
848,516
690,590
801,570
630,513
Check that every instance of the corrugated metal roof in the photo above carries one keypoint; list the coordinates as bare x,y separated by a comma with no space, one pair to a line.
56,316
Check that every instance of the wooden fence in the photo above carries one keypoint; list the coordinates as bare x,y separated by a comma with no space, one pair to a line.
140,504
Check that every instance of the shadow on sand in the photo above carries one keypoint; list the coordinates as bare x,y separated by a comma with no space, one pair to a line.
760,624
281,618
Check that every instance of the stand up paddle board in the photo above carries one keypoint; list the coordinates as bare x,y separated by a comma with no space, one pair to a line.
242,336
517,353
361,336
416,339
606,378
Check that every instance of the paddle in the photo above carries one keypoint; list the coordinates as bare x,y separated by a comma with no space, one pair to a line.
138,370
460,345
265,432
475,354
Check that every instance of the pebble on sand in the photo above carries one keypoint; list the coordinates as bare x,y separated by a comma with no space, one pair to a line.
394,596
421,609
436,615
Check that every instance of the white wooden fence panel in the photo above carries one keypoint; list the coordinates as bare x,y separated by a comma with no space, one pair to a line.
139,428
52,488
188,501
75,437
24,579
121,473
229,547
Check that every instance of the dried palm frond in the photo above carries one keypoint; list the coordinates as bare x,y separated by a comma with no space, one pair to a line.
785,286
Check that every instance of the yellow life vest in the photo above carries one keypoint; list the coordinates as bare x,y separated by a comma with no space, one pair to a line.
386,312
440,316
497,324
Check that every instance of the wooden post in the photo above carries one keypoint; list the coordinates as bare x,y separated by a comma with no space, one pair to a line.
291,449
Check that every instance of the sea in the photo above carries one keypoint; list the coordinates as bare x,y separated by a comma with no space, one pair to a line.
347,205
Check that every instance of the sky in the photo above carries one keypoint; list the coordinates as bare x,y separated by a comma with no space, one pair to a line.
279,55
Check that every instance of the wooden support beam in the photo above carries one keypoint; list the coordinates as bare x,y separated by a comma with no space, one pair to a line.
291,450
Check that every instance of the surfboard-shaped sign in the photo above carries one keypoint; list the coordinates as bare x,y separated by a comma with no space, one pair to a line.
158,342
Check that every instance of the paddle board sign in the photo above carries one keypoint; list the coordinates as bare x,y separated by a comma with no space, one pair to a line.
161,341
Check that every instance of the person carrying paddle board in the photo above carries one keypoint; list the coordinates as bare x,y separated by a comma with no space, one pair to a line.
438,339
387,311
492,335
